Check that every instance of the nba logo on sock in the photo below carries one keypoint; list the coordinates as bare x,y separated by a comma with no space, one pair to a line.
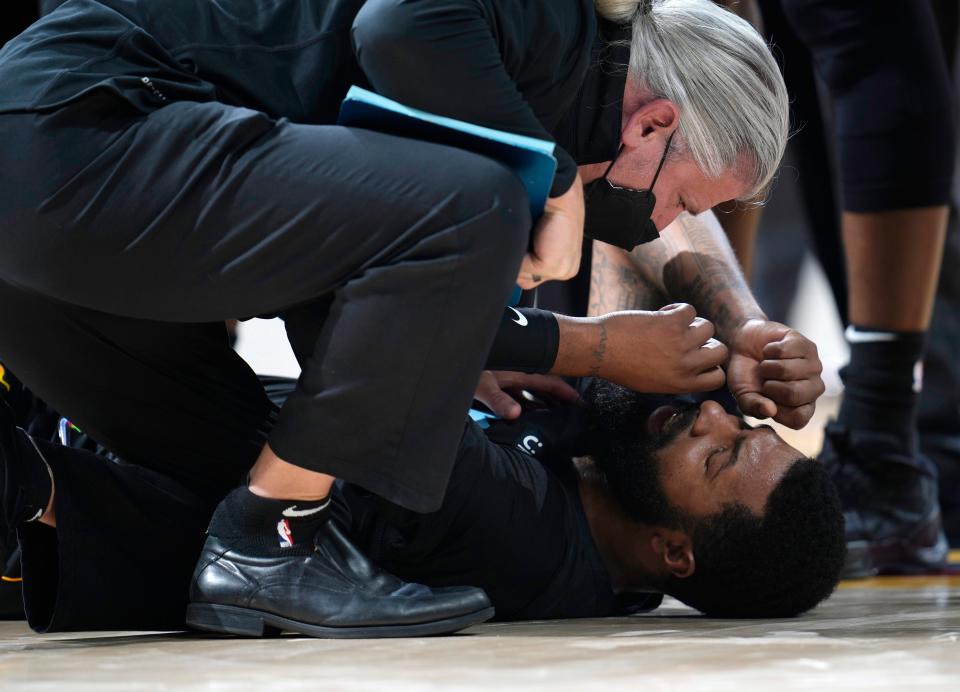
286,535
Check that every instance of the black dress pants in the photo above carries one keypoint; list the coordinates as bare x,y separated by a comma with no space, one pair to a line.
128,238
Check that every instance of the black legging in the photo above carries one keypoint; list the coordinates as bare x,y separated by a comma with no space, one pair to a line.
892,105
810,150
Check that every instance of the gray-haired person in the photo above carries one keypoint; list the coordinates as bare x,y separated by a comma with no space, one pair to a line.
168,165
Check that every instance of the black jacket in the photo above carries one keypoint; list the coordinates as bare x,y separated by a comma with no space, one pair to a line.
514,65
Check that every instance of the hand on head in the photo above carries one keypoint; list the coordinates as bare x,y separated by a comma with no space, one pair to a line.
670,351
774,372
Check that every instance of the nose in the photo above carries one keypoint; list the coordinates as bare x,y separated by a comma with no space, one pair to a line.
713,418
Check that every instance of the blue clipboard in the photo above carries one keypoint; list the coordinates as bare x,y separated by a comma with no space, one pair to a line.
531,159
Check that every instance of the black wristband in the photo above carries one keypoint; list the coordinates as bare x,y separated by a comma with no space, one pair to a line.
527,341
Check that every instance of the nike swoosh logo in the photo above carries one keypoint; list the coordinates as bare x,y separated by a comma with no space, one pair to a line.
521,319
293,512
855,336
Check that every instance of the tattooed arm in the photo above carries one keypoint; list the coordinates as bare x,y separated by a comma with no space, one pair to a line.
617,283
773,370
667,351
691,262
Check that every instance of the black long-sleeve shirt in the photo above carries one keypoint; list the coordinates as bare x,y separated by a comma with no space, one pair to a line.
511,523
512,65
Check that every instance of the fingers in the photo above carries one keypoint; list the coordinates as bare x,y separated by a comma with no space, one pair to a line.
556,244
795,418
793,345
530,275
703,369
501,391
683,312
777,373
544,386
793,394
502,404
533,272
493,397
713,353
529,282
756,405
702,363
793,380
790,369
710,380
701,330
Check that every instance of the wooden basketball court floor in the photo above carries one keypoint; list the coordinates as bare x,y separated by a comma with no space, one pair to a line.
893,633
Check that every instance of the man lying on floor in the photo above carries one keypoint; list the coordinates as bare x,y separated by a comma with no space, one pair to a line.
569,512
596,512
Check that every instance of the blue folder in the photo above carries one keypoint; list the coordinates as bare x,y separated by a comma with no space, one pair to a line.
530,158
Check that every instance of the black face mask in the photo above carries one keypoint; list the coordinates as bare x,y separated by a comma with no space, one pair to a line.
619,215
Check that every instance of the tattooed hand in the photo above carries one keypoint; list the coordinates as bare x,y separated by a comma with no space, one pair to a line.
671,351
668,351
774,372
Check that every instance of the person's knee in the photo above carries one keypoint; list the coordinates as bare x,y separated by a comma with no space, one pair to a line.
500,204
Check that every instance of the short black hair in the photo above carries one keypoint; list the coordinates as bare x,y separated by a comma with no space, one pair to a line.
781,564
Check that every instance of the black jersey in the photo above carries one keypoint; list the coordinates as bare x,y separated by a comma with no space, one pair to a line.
510,523
511,65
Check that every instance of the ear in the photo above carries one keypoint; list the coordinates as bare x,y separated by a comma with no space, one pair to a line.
654,119
674,549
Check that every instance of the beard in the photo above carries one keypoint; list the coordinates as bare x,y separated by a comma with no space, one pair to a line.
625,451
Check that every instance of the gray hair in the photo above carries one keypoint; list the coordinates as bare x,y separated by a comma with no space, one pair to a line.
718,70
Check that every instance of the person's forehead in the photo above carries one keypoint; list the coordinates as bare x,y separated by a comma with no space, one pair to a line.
764,460
701,193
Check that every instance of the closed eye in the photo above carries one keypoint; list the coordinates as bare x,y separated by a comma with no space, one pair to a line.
738,445
706,462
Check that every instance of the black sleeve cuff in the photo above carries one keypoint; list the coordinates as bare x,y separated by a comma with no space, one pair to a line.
527,341
566,172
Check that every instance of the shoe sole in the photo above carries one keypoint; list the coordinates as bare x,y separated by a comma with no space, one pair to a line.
859,563
225,619
865,559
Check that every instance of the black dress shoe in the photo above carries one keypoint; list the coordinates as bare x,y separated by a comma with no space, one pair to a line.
889,497
334,591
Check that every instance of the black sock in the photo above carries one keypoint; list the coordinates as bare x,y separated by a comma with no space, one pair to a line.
268,527
882,381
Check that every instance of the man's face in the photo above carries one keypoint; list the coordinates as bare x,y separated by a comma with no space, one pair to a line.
706,458
682,186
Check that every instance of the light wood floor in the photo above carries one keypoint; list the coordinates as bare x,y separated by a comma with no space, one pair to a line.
899,634
879,634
